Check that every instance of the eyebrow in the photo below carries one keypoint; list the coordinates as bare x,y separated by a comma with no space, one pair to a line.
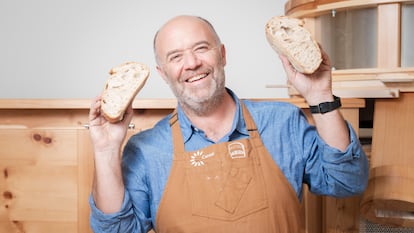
179,50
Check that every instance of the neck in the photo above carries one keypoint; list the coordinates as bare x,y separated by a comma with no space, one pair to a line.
218,121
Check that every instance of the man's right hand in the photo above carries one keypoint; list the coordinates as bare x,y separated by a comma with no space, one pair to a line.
107,136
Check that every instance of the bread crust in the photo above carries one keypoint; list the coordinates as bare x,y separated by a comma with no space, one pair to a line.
288,37
121,87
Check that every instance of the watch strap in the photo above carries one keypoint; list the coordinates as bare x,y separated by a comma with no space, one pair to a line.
326,106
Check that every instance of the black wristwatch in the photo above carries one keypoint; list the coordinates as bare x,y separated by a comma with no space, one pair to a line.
326,106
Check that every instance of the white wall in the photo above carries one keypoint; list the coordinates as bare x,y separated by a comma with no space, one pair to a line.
64,48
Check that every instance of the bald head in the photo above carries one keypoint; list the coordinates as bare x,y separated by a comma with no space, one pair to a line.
180,25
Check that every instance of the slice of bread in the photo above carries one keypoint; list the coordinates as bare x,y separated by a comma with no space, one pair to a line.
288,37
123,84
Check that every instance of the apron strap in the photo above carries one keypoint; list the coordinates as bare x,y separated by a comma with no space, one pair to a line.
177,138
248,119
252,129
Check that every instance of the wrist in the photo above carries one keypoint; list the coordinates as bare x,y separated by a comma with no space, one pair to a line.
108,155
107,150
319,97
326,106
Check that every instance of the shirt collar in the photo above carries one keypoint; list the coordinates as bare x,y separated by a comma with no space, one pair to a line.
238,127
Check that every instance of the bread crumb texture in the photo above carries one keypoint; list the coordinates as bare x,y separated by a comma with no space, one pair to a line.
288,37
123,84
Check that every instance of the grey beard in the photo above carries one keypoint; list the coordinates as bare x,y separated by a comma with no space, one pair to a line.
203,107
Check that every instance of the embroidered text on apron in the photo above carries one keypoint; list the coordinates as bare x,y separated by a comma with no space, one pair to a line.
227,187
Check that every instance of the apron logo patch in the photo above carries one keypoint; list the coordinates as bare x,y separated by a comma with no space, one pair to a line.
236,150
197,159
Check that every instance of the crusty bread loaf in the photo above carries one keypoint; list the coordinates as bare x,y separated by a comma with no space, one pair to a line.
288,37
123,84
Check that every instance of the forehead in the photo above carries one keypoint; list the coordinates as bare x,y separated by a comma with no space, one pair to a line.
183,32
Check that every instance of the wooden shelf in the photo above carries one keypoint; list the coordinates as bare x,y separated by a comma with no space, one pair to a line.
312,8
79,103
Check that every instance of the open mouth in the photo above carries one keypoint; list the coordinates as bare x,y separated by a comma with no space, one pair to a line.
196,78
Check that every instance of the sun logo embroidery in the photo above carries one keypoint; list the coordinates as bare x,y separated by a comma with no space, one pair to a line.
197,159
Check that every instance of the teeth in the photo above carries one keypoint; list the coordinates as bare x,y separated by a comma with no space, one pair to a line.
196,78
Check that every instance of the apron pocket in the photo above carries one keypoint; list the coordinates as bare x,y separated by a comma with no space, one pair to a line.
226,193
234,188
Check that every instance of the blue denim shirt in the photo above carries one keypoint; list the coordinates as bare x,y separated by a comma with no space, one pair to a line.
293,144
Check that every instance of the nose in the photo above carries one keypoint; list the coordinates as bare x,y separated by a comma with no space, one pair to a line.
191,60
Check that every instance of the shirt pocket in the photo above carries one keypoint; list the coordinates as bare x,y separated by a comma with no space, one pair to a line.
227,190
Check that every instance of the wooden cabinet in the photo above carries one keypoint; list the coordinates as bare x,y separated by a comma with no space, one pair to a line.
367,41
39,182
370,44
46,162
45,168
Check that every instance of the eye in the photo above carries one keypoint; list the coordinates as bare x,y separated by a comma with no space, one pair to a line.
201,49
175,57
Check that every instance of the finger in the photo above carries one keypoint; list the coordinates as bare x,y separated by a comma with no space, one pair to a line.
287,66
95,108
129,112
325,57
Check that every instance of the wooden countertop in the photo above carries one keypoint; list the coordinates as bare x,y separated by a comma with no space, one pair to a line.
141,103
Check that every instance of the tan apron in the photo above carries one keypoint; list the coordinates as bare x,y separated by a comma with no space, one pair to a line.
227,187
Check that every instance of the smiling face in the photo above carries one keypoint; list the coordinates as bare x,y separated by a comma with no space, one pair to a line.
191,60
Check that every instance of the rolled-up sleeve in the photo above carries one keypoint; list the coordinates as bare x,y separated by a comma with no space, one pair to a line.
124,221
338,173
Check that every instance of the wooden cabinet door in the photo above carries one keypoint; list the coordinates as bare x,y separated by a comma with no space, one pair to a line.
85,176
39,180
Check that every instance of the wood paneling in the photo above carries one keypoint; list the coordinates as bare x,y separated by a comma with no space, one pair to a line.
46,162
391,184
38,180
389,35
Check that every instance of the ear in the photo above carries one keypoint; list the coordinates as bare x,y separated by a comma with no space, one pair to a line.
161,72
223,54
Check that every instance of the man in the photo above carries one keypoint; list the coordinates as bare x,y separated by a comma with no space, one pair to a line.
218,163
